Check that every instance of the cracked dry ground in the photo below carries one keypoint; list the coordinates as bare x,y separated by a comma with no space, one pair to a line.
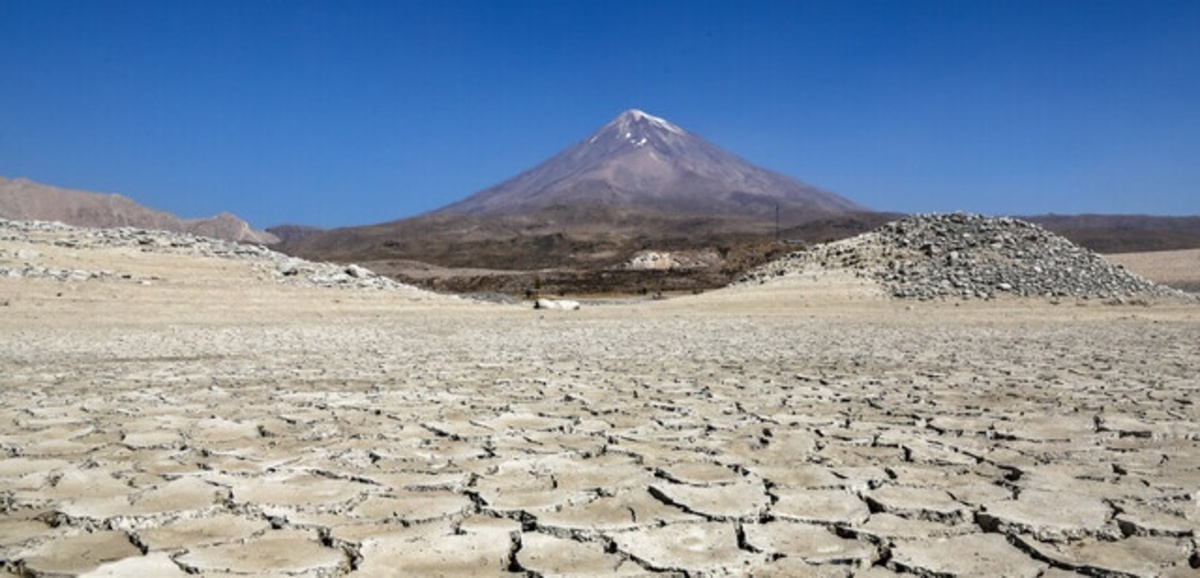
677,438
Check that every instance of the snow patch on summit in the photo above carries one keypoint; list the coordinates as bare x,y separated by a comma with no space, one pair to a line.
636,115
640,161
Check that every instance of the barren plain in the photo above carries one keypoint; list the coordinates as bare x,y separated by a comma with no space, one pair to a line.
194,415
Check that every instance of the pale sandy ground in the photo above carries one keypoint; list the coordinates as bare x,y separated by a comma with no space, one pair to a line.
1180,269
213,422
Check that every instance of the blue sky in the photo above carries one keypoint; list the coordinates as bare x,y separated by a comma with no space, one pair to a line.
344,113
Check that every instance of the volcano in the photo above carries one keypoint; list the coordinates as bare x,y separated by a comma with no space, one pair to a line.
575,221
645,163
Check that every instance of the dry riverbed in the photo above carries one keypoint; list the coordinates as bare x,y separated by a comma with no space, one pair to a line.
206,419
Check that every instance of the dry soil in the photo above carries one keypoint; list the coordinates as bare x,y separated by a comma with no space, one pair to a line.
208,420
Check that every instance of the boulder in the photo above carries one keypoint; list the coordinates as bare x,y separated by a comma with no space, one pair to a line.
556,304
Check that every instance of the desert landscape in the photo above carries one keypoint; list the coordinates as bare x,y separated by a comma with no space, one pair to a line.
552,289
177,405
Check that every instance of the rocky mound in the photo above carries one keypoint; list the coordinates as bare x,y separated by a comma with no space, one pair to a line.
24,263
971,257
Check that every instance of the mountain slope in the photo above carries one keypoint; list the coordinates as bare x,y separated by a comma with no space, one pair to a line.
21,199
294,233
574,222
639,161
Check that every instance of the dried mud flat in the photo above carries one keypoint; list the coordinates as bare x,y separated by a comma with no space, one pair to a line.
208,420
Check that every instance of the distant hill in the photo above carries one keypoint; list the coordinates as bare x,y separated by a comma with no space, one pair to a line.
1124,233
22,199
294,233
1105,234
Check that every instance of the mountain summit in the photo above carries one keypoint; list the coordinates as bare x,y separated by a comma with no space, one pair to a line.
643,162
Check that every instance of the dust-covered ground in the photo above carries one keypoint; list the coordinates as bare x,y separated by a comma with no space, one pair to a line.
192,415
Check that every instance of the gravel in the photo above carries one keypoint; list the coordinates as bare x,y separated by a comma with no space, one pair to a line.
935,256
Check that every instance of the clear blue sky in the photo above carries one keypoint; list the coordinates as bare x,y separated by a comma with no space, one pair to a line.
343,113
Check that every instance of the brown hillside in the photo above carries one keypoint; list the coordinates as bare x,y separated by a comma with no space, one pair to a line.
25,200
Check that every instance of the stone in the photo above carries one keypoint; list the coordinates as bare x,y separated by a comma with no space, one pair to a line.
289,266
556,304
358,271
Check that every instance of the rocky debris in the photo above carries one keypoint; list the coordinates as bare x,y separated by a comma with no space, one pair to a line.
968,256
284,269
650,261
672,260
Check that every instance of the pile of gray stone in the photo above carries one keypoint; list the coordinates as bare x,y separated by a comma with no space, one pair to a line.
24,263
938,256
